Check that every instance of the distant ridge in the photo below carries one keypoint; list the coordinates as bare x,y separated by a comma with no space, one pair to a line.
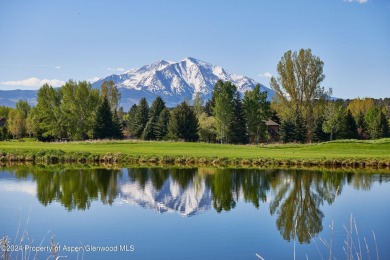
173,81
9,98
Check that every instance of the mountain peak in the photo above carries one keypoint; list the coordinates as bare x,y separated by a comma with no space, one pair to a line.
190,59
175,81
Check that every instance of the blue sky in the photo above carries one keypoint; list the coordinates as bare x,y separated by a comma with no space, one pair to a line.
53,41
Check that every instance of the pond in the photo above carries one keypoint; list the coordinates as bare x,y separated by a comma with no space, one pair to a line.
194,213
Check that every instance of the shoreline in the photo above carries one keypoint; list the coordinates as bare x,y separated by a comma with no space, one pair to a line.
341,153
60,158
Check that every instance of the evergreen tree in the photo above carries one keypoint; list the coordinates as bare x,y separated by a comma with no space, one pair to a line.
117,131
275,117
209,107
238,133
319,135
4,134
183,123
141,118
161,127
300,130
287,131
257,111
131,126
384,125
361,125
155,110
103,126
157,107
350,130
149,130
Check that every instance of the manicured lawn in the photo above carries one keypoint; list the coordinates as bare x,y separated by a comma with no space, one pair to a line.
378,149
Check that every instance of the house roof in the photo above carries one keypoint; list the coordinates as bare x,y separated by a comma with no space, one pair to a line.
269,122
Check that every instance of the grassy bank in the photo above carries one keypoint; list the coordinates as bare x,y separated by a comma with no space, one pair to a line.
349,153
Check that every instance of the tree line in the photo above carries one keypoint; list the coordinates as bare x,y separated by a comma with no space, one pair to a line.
303,108
75,111
307,112
224,118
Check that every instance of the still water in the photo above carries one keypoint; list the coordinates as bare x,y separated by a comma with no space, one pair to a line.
197,213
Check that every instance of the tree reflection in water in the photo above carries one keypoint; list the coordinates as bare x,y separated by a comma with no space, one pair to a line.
74,188
294,196
297,200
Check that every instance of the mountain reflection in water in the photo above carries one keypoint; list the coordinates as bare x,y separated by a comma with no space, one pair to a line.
294,196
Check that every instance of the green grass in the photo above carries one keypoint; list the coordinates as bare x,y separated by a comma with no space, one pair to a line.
344,149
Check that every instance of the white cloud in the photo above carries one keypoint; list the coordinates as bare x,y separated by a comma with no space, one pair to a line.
57,67
116,69
94,79
33,83
266,75
359,1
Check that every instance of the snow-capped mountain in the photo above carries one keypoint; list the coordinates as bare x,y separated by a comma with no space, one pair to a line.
175,81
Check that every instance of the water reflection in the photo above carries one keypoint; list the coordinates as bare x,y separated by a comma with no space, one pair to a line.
74,188
295,197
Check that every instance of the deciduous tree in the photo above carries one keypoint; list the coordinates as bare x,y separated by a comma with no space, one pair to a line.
298,87
333,119
223,110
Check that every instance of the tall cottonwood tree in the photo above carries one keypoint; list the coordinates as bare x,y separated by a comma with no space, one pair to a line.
52,123
78,105
17,118
16,123
110,90
298,87
207,128
198,104
223,94
24,107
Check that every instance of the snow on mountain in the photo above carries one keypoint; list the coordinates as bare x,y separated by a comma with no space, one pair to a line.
175,81
169,198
